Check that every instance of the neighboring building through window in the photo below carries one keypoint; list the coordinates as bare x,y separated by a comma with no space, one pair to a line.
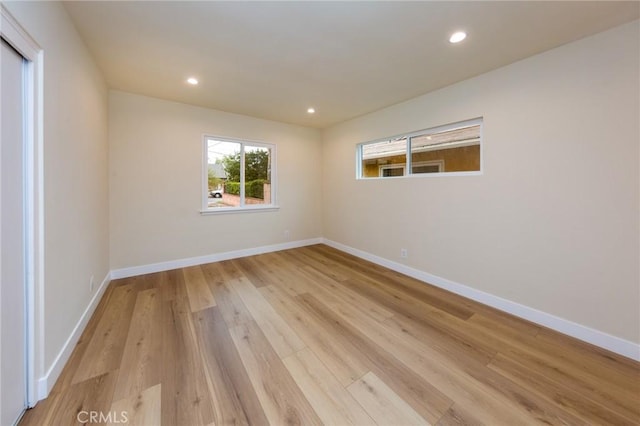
392,170
444,149
238,175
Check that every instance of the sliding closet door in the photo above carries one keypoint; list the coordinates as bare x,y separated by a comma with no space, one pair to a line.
13,379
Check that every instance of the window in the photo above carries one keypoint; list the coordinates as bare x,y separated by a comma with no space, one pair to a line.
454,148
238,175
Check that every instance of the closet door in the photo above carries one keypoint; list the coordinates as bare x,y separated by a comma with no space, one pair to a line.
13,380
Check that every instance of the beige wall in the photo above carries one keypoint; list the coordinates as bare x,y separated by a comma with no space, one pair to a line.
75,172
156,175
542,226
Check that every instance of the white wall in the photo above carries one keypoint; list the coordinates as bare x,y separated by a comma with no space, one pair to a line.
156,182
553,223
75,173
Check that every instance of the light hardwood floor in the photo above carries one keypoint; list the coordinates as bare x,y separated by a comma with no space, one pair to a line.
316,336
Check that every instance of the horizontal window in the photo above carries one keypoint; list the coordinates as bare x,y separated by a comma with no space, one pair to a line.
444,149
238,175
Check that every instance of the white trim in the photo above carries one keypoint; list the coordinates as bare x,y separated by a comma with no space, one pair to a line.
46,382
424,175
614,344
17,37
216,257
205,173
13,33
251,208
598,338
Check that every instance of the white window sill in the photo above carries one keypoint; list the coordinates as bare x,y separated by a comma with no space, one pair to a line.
225,210
424,175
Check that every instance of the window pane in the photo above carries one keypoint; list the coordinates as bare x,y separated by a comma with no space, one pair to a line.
223,161
257,174
427,168
391,171
384,159
452,150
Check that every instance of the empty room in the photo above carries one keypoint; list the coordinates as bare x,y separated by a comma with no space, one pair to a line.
320,212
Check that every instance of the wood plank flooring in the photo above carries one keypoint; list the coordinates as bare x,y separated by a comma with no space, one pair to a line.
315,336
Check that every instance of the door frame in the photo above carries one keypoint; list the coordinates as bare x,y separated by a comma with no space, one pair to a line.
14,34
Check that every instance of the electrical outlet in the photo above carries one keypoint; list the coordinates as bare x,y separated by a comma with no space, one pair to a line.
404,253
91,283
287,234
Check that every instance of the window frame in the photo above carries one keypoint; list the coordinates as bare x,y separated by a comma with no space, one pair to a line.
242,208
408,162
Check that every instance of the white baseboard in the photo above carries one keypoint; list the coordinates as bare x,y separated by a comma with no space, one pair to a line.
46,382
595,337
217,257
564,326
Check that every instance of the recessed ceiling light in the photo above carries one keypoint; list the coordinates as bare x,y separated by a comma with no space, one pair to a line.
192,81
457,37
311,110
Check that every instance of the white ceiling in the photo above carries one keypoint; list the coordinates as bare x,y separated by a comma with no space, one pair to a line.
274,59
